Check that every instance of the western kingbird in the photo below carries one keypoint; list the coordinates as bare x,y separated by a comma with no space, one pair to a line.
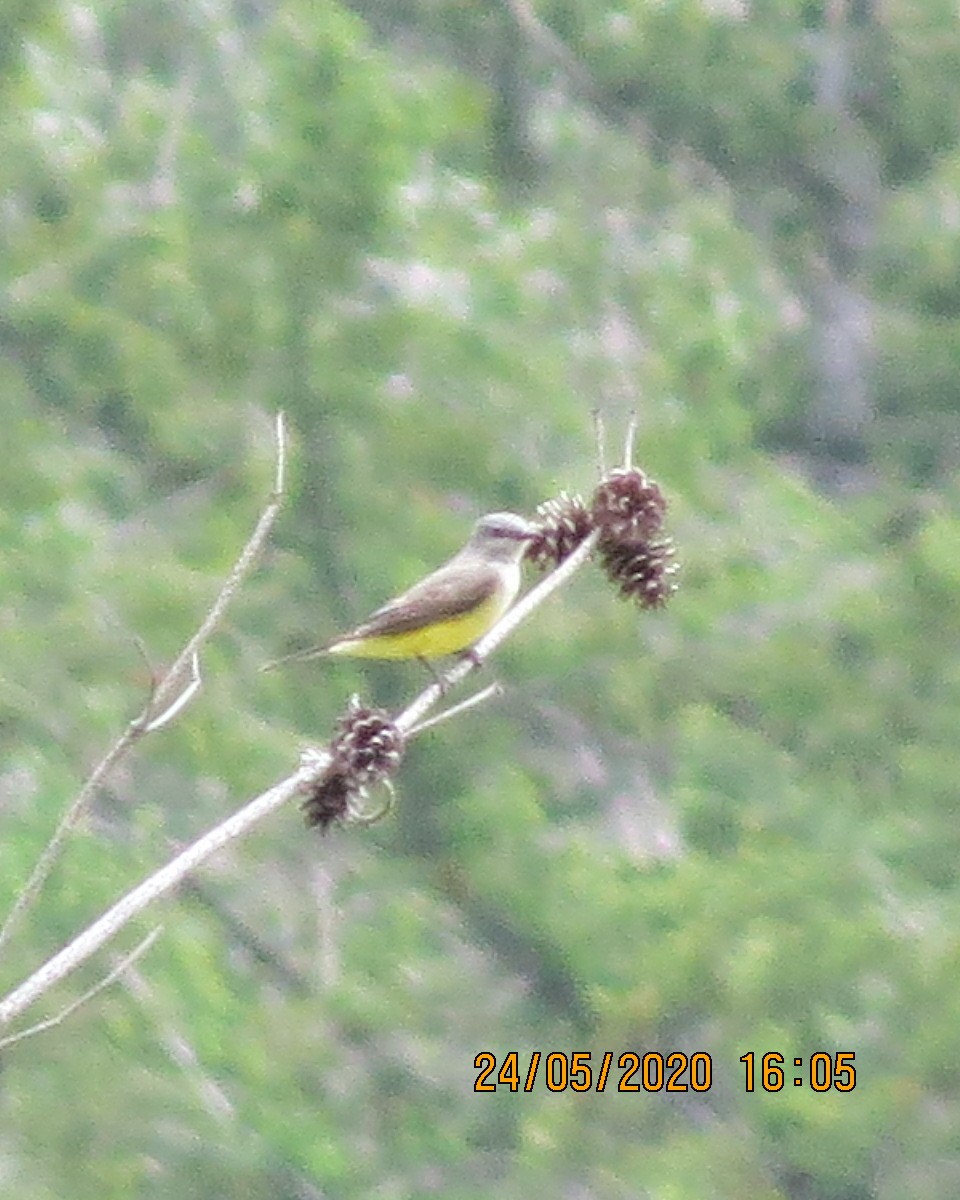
448,610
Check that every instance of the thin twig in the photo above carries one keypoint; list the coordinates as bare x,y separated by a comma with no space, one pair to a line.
494,689
128,959
44,863
599,435
178,1046
527,604
168,685
628,443
183,698
167,698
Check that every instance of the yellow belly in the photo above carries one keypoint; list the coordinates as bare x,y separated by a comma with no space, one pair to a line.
431,641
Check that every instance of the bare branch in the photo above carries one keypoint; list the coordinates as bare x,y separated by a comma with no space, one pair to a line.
44,864
169,697
128,959
157,885
529,603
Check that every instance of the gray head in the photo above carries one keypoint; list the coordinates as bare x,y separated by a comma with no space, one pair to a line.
500,537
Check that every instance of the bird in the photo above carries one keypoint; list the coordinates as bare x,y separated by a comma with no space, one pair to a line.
449,609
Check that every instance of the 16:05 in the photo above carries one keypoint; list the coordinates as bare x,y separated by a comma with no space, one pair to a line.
826,1072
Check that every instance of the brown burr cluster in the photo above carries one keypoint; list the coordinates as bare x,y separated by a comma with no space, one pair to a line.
562,524
643,570
627,509
628,506
366,749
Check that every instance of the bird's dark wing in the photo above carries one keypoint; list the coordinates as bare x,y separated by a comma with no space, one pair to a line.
447,593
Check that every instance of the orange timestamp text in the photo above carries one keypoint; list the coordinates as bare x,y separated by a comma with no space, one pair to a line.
582,1071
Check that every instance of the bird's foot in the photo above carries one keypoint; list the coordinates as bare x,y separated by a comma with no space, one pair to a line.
438,679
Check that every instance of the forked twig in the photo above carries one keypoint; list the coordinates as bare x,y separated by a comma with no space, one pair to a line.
167,690
169,697
128,960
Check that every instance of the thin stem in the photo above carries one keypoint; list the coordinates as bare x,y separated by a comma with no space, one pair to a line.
128,959
168,697
169,685
494,689
44,864
599,434
628,443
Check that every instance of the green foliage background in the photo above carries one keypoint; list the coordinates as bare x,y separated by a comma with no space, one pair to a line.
437,236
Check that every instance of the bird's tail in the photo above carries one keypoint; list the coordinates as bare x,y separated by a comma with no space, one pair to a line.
297,656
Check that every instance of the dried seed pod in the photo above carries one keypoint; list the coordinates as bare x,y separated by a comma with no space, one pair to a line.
628,506
366,743
327,800
366,749
562,524
643,571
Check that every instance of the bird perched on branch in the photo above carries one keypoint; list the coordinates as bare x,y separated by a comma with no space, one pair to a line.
448,610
